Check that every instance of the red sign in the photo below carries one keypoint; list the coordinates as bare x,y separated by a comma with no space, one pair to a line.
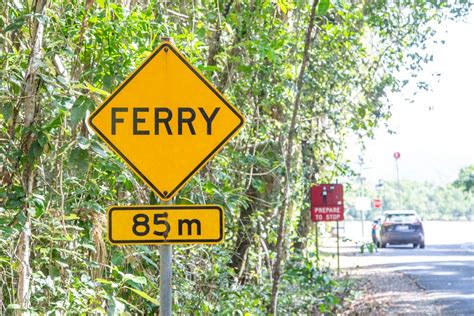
396,155
377,203
327,203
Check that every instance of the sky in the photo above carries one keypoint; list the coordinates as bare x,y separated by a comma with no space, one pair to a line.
435,133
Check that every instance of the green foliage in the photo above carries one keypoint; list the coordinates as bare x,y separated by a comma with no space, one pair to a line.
252,51
306,289
430,201
465,180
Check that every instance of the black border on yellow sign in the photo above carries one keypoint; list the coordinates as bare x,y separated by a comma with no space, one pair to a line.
175,190
169,208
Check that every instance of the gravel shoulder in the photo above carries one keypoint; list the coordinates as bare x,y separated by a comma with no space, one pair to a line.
381,291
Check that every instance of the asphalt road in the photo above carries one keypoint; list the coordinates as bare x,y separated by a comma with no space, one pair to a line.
444,269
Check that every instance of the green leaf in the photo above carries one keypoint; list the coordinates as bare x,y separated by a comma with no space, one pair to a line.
5,259
83,142
115,307
129,304
79,109
322,308
43,139
103,281
88,246
144,295
91,88
323,7
79,158
283,5
55,123
208,68
13,306
117,258
97,148
18,23
35,151
71,217
134,278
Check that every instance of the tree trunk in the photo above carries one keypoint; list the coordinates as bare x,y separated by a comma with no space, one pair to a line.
29,95
288,156
244,235
304,223
215,44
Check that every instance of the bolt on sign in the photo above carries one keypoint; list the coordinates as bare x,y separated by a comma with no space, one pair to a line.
165,224
166,121
327,202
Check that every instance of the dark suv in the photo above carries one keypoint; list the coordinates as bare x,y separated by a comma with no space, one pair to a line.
402,227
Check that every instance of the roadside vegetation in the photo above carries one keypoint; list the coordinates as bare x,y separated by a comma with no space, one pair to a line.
454,201
306,74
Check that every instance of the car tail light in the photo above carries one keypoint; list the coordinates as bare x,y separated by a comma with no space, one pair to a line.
417,225
387,224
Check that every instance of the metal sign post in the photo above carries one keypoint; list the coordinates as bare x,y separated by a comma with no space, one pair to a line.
166,274
396,155
362,204
317,247
166,253
337,242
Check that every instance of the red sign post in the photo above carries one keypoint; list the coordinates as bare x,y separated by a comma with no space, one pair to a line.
327,202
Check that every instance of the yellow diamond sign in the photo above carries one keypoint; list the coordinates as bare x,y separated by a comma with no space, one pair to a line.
166,121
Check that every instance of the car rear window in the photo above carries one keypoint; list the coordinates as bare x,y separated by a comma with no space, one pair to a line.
401,218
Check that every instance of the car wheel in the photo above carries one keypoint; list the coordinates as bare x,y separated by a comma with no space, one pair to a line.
384,245
415,245
422,245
